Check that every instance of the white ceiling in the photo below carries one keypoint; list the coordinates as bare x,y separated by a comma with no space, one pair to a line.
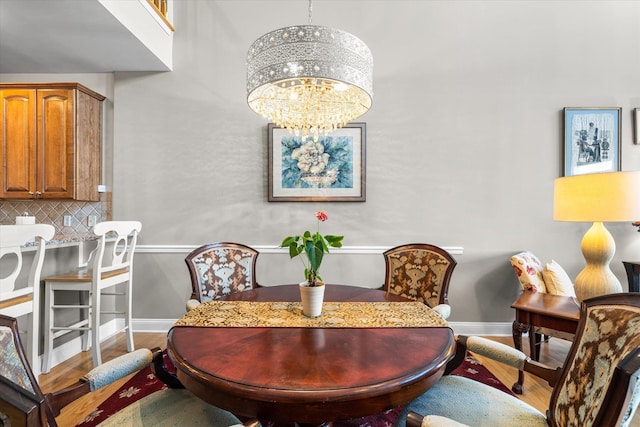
68,36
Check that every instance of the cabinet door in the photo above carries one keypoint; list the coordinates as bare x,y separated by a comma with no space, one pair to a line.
55,171
88,147
18,143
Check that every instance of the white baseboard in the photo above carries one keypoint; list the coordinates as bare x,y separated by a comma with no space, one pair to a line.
153,325
482,328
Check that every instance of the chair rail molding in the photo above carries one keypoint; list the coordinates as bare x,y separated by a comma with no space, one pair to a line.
274,249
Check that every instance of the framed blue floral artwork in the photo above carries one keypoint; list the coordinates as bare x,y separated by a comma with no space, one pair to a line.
330,168
591,140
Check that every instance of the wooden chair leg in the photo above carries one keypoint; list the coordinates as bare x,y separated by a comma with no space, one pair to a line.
414,419
159,369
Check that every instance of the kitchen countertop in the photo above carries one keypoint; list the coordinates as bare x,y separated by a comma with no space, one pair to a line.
62,240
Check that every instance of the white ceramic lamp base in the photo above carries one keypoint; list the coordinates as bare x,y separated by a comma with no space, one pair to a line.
596,278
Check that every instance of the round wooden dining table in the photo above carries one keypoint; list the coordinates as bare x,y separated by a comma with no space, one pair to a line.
309,375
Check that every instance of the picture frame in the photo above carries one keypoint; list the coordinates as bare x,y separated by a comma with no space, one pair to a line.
636,126
331,169
591,140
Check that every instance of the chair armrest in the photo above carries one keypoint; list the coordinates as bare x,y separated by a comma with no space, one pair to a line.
509,356
192,303
100,376
118,368
416,420
496,351
444,310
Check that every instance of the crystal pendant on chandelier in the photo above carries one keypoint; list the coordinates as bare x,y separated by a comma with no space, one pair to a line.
309,79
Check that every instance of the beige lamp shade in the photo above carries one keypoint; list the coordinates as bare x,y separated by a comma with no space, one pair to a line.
604,197
597,198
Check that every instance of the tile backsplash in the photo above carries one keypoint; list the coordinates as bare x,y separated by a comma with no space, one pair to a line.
54,211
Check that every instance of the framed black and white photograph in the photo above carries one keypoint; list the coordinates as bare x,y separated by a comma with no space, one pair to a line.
330,168
591,140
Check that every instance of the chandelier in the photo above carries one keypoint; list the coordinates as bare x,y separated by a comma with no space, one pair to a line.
309,79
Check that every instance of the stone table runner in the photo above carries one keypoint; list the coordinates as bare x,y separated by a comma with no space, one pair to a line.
334,315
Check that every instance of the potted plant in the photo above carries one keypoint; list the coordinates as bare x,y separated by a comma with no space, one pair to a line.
314,246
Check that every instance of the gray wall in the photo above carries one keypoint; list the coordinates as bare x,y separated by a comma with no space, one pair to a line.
464,140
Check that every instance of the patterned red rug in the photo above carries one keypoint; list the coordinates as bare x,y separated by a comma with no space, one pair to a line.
144,383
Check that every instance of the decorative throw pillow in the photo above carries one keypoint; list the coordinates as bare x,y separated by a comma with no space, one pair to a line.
528,268
557,280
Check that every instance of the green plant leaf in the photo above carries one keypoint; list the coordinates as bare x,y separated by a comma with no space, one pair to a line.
315,252
288,241
334,241
320,242
294,250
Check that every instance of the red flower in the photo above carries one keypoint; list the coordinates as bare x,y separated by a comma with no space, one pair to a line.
321,216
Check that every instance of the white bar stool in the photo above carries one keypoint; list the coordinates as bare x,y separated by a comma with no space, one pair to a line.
102,272
16,299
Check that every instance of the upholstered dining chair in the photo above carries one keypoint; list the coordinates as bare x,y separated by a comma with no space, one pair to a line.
598,386
109,272
220,269
22,402
421,272
19,291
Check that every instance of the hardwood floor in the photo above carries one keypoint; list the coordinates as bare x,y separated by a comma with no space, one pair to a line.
537,392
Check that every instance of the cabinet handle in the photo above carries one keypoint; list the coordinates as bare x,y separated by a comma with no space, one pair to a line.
31,193
38,194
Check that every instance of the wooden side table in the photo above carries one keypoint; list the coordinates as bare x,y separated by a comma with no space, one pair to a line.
633,274
541,310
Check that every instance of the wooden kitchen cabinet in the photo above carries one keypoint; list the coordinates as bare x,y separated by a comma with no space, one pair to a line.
50,136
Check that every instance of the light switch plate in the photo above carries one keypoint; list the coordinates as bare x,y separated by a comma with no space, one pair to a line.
67,220
91,220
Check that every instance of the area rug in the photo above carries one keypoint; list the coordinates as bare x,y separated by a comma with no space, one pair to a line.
144,383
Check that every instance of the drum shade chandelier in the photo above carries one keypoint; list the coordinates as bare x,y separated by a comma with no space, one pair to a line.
309,79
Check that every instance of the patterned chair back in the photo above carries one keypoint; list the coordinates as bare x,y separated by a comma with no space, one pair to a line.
21,400
591,391
419,271
220,269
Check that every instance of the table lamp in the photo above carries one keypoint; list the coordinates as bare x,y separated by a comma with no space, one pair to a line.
597,198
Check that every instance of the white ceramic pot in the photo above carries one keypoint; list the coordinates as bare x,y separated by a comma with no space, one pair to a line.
312,298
